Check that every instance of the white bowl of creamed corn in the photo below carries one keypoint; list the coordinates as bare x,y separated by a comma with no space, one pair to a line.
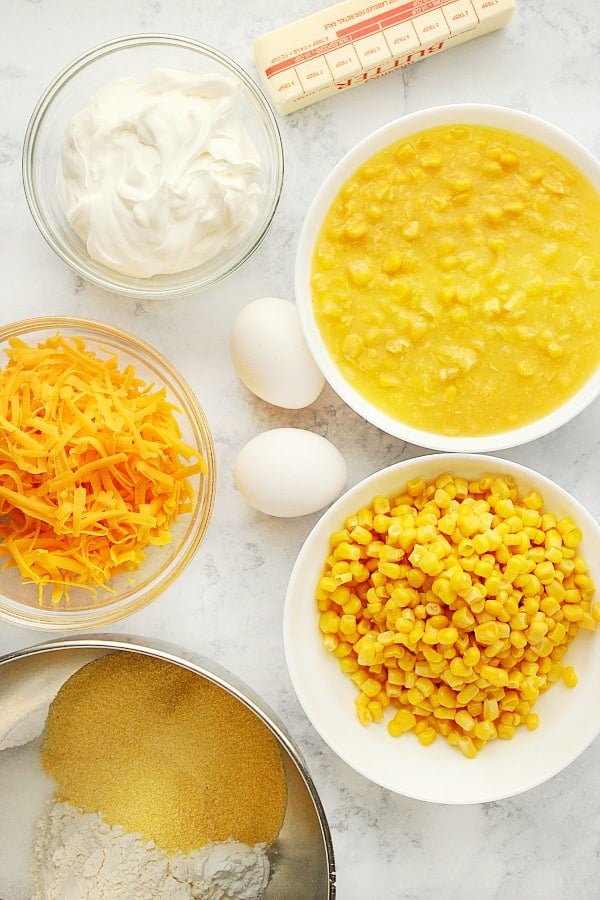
448,280
439,628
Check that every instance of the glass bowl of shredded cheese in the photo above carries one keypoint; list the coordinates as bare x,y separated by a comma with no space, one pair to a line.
153,165
108,473
448,280
440,628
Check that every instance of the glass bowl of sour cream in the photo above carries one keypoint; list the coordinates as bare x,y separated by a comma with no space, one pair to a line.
153,166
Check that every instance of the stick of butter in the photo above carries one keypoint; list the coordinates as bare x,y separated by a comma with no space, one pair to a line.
354,42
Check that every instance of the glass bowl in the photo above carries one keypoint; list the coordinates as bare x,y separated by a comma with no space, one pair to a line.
509,120
129,591
137,56
569,718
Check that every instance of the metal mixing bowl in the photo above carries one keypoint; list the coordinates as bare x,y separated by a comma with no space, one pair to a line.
302,862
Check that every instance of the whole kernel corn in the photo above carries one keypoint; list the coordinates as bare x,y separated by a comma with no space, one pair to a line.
569,676
455,636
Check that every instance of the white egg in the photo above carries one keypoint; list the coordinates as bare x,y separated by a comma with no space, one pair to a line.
289,472
270,355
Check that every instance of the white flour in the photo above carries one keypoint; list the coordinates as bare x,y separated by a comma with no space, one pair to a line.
24,791
79,857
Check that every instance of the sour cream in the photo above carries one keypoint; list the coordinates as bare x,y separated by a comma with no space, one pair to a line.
160,176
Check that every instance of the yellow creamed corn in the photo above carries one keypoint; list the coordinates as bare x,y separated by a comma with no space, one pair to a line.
476,286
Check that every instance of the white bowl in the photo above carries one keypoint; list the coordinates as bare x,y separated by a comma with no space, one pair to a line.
137,55
477,114
569,718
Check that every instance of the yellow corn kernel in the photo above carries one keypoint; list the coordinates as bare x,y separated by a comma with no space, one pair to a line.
509,702
360,535
533,500
369,653
536,632
331,642
464,720
569,676
529,689
365,518
427,736
550,605
328,584
459,669
352,606
555,672
467,694
447,697
329,622
447,636
545,572
545,663
506,732
532,720
371,687
447,524
359,678
349,665
425,686
467,747
342,650
523,708
338,536
402,722
572,612
414,696
494,675
518,639
573,538
390,554
347,624
485,731
390,570
531,605
381,505
364,715
558,633
585,584
376,710
490,709
347,551
588,622
487,633
472,656
416,578
415,487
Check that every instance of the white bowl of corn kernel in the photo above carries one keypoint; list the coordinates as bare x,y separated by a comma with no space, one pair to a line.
448,281
439,628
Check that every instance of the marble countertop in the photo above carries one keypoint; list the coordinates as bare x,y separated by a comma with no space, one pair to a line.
228,604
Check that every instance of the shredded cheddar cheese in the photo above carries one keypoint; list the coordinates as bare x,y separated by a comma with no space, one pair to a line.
93,467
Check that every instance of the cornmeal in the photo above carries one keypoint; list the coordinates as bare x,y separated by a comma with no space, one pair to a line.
456,280
164,752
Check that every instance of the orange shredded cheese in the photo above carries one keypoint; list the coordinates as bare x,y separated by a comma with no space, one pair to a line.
93,467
